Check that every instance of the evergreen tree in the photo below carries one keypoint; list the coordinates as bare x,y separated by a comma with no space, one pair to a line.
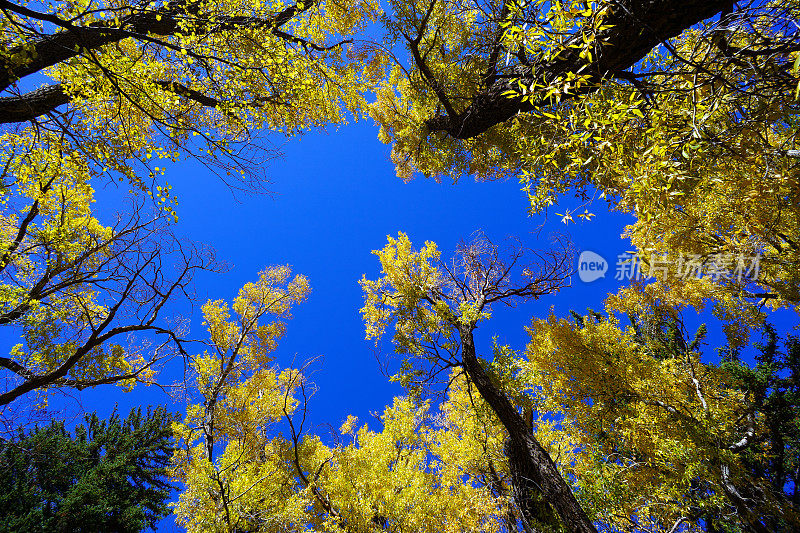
108,476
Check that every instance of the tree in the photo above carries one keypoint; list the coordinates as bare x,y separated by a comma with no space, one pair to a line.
620,36
682,113
249,463
435,308
131,83
470,57
86,300
592,427
649,435
771,387
239,398
108,476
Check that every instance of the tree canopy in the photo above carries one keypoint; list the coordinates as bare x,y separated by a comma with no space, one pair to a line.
127,86
680,113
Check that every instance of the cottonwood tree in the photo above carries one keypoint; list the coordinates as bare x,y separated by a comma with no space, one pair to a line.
124,86
435,308
682,113
90,304
129,83
239,396
649,436
468,58
249,461
657,436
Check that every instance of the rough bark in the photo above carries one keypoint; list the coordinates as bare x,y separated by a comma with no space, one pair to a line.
638,27
530,460
33,104
534,508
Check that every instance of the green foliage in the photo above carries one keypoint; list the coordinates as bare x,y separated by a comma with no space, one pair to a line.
772,386
108,476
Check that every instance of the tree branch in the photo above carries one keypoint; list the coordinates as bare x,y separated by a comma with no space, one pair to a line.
32,104
637,27
49,50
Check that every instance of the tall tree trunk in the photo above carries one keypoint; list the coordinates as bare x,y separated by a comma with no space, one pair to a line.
529,461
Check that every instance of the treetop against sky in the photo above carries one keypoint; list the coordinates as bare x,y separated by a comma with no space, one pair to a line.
597,333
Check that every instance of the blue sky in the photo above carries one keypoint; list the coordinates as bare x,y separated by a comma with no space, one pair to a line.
335,198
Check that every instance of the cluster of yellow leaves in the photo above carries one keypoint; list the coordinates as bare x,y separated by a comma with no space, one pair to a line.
241,398
419,473
700,156
644,423
254,465
407,276
424,326
50,245
457,45
738,316
451,43
209,87
702,163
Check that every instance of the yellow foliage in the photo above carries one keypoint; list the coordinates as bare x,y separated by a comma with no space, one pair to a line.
694,140
241,398
648,424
